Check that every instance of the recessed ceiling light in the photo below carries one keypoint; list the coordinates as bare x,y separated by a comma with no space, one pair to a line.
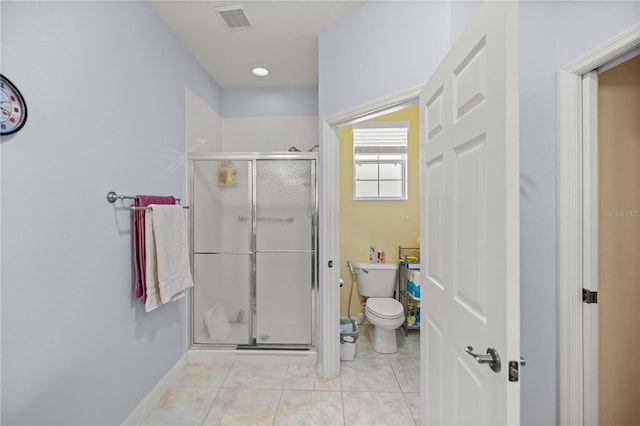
260,72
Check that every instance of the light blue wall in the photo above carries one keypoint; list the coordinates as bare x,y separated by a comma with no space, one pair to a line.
551,35
583,25
283,102
105,88
379,49
538,236
460,13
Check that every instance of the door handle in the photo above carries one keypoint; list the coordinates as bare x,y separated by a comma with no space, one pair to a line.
492,358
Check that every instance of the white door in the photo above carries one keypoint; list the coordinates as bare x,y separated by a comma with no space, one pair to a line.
470,225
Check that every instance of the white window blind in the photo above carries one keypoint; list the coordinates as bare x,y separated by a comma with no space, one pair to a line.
380,160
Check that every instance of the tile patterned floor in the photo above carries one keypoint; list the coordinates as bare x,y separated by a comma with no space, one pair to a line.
373,389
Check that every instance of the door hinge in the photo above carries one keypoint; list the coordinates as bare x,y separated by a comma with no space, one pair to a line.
589,296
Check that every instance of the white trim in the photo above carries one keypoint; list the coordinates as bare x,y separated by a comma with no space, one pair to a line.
570,250
143,409
330,251
329,365
624,58
570,233
618,46
376,108
590,245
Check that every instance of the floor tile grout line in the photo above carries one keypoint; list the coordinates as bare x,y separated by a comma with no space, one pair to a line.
217,394
415,420
275,415
344,412
206,416
395,374
398,361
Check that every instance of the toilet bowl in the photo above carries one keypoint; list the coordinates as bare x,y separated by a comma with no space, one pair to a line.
377,282
386,315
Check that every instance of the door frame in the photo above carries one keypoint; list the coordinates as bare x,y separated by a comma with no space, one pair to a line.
329,360
576,238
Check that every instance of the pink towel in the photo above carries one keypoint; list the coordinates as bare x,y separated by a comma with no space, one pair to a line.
139,261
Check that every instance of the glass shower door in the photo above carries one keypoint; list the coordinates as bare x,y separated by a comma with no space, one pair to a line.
223,251
285,251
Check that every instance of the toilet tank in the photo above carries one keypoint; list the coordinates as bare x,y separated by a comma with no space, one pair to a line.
376,279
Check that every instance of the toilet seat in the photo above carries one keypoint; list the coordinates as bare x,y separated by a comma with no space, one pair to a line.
385,308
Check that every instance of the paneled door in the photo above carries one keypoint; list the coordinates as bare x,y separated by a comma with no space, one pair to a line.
470,226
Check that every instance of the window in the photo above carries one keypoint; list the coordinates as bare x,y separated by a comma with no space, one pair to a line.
380,160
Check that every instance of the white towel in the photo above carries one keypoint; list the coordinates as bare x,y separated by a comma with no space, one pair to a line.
169,224
151,265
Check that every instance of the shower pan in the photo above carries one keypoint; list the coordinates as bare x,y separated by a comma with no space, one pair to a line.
253,250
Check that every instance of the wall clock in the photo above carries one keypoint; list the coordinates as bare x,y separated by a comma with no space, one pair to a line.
13,108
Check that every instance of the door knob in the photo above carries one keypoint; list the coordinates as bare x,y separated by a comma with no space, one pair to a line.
492,358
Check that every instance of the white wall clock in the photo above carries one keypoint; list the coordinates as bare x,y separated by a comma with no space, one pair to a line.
13,108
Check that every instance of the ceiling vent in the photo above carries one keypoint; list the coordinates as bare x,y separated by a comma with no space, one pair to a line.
234,16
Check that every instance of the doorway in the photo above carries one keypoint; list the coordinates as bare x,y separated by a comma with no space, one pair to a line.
380,221
578,226
382,224
618,246
329,360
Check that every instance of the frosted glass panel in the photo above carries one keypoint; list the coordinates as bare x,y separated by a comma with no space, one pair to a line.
222,298
221,206
229,307
285,204
283,290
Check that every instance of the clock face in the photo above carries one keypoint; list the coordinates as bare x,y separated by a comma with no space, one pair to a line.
13,109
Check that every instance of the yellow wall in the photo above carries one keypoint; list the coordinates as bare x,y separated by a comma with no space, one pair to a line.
383,224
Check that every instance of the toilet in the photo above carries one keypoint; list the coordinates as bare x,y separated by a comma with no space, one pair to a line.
377,282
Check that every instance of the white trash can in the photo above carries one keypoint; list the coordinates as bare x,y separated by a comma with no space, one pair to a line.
348,337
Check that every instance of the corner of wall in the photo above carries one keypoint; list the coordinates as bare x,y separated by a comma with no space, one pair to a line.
203,125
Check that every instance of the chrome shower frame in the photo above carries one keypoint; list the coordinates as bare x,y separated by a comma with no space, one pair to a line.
254,157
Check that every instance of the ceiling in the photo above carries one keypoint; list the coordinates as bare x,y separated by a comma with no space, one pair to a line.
282,37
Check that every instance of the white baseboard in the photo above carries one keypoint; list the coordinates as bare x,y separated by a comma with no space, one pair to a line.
139,413
252,356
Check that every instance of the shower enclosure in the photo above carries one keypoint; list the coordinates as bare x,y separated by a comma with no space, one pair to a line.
254,249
